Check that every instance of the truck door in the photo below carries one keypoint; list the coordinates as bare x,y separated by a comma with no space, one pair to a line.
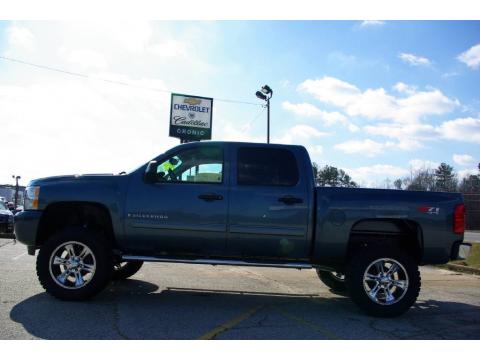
185,210
269,207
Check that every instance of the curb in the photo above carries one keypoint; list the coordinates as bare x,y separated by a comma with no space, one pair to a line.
461,268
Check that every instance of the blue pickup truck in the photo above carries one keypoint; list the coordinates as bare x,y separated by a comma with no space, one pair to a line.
229,203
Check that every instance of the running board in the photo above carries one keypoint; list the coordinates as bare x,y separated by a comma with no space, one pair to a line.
217,262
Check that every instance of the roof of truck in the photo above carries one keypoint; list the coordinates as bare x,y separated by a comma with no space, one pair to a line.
241,143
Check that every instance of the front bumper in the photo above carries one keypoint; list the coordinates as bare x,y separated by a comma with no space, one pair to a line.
26,225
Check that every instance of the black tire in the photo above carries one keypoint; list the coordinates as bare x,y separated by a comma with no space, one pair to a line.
99,254
124,270
332,280
382,306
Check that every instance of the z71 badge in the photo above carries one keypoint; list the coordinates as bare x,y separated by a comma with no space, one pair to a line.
430,210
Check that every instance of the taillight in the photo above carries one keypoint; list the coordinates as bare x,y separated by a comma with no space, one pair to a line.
459,219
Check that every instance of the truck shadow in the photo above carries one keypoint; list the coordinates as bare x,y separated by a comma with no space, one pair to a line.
135,309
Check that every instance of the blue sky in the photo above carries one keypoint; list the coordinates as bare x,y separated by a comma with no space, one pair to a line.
378,99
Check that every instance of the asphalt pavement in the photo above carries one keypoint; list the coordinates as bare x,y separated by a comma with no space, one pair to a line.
178,301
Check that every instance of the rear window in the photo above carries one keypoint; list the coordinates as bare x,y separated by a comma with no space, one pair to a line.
268,167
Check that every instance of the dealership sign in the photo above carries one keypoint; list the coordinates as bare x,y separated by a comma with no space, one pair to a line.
191,117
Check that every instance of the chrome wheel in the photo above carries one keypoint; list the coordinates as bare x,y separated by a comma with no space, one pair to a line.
72,265
385,281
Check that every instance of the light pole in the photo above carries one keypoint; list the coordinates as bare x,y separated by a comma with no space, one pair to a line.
16,177
266,94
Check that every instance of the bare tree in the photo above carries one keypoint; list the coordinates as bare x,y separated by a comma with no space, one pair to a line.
398,184
420,180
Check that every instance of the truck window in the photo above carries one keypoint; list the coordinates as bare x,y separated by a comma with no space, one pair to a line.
266,166
197,165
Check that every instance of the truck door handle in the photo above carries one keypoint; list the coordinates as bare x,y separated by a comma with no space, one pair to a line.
210,197
290,200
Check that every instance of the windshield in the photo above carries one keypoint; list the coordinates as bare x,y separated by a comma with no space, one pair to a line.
2,206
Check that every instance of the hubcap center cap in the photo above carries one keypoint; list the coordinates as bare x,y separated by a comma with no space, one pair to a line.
385,280
68,267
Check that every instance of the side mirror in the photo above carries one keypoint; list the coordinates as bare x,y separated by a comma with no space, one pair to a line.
151,172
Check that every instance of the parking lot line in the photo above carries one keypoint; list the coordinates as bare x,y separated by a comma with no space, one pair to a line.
11,241
327,333
19,256
211,335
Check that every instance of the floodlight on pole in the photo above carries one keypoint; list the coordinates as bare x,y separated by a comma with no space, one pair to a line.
266,89
266,94
260,95
16,177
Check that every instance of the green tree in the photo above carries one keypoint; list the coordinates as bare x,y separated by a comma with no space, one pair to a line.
331,176
445,178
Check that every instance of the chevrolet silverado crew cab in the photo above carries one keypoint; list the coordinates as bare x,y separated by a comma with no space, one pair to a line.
227,203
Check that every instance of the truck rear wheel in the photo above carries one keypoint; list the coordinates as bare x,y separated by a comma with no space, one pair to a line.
74,264
334,280
383,283
124,270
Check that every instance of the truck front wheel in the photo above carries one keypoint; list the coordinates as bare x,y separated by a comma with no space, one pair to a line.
384,283
75,264
334,280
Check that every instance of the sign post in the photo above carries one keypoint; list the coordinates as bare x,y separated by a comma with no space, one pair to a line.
191,117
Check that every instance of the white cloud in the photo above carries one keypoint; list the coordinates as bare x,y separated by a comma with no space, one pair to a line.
399,131
87,58
372,148
315,150
365,147
372,23
311,111
306,131
331,90
408,144
471,57
463,159
463,129
467,172
169,49
449,74
422,103
415,60
369,175
377,104
133,36
405,88
230,132
419,164
20,37
300,134
352,127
